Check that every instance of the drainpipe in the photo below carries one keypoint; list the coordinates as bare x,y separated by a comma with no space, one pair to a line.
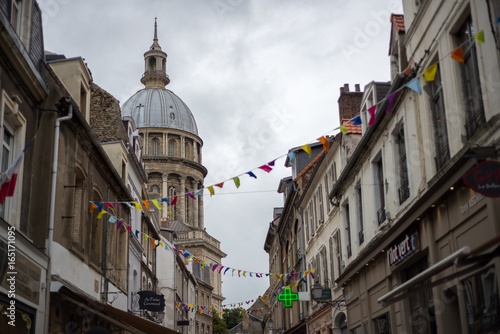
57,128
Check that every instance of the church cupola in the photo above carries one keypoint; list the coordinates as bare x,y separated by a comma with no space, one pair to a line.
155,73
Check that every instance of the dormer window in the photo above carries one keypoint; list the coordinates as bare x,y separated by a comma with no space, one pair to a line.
15,15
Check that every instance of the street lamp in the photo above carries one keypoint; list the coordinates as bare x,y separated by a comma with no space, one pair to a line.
321,295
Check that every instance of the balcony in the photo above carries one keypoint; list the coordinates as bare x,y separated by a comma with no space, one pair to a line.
404,193
442,157
361,235
198,235
381,215
474,122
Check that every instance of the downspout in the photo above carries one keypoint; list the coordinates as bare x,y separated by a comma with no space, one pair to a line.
57,129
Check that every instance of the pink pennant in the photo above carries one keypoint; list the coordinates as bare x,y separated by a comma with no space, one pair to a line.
120,223
266,168
174,201
109,205
372,115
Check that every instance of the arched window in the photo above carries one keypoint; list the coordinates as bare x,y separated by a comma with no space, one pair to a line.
152,64
187,150
172,213
155,147
171,148
155,189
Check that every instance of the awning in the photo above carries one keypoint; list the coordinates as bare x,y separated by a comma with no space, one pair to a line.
120,318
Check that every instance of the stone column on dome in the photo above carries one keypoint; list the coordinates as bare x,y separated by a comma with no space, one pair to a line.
181,196
165,195
164,147
195,204
146,142
183,148
200,211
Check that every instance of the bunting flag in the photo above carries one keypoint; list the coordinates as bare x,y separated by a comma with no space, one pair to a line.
120,205
220,185
325,142
92,207
112,219
291,157
137,206
191,195
211,190
129,228
109,205
458,54
198,192
479,37
174,201
120,223
343,129
157,204
165,200
146,204
356,120
99,206
430,73
153,243
307,148
415,85
99,216
137,234
252,175
391,102
271,163
371,111
266,168
236,181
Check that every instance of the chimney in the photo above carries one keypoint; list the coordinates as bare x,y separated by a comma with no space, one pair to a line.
349,102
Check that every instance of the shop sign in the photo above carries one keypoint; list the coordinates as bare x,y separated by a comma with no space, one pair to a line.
464,209
27,274
484,178
400,251
151,301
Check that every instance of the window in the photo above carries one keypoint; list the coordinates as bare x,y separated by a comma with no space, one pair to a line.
382,324
331,248
77,230
473,102
188,150
348,229
359,204
171,213
324,266
379,189
327,191
311,219
171,148
155,189
315,210
12,128
435,89
404,190
16,15
307,224
338,248
320,203
155,146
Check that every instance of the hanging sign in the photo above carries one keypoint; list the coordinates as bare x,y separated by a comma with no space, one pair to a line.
484,178
288,297
151,301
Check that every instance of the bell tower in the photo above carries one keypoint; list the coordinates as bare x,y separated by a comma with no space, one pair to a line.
155,67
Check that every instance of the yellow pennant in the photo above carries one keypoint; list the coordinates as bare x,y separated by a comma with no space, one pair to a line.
307,148
137,206
99,216
157,204
430,73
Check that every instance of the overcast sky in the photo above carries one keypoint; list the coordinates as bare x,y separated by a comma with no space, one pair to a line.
260,77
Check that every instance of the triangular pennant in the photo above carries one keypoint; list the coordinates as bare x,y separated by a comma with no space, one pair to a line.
291,157
198,192
129,205
137,206
415,85
137,233
146,204
236,181
174,201
356,120
343,129
112,219
272,163
191,195
120,224
129,228
120,205
479,37
430,73
391,102
109,205
153,243
99,206
307,149
325,142
92,207
220,185
157,204
252,175
266,168
458,54
211,189
99,216
371,111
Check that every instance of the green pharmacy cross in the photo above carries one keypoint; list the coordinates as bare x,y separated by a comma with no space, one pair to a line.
288,297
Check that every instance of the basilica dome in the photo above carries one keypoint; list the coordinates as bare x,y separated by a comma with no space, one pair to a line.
159,108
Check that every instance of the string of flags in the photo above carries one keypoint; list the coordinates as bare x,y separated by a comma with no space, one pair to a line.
212,310
223,270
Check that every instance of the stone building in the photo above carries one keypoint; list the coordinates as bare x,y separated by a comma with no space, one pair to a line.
172,157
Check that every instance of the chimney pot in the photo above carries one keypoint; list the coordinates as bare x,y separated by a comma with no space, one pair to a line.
357,87
341,90
346,87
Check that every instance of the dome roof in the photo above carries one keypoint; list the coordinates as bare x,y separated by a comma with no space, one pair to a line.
159,108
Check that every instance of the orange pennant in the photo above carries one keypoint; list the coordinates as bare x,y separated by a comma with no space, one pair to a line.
153,243
92,207
458,54
325,143
146,204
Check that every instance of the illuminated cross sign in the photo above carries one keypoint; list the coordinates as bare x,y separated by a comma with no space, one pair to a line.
288,297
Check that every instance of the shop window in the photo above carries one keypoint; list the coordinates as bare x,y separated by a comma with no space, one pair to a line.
382,324
473,101
482,303
438,115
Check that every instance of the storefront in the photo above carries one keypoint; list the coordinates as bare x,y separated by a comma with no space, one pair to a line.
436,270
22,282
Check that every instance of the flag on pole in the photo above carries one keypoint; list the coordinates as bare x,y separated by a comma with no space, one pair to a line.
9,177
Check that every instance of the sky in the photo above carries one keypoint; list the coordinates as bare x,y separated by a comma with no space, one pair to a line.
260,77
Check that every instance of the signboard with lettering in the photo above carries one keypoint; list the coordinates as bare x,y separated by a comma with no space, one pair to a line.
401,250
484,178
151,301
